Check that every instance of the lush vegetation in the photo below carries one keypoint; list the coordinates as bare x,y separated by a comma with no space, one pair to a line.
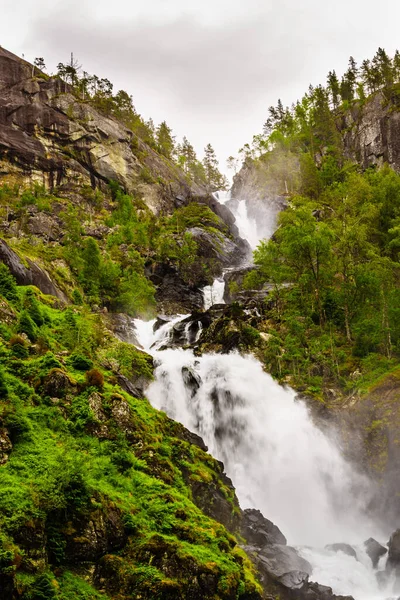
108,245
333,263
97,489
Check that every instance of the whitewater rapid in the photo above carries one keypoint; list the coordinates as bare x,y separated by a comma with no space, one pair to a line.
279,461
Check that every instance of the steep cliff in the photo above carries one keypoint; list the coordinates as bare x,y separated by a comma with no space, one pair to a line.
371,131
49,136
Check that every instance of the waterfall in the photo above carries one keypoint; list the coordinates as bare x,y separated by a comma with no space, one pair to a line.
254,225
279,461
214,294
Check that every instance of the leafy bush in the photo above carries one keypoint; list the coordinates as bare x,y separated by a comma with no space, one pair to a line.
8,285
3,385
18,346
94,378
77,297
27,326
32,307
80,362
44,588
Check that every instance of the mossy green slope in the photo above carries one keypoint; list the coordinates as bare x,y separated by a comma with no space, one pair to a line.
98,490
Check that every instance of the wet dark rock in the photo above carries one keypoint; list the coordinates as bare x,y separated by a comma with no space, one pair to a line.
191,380
173,294
123,327
394,549
294,580
375,551
33,274
188,436
281,559
160,322
90,538
135,386
259,531
209,497
345,548
33,538
316,591
234,280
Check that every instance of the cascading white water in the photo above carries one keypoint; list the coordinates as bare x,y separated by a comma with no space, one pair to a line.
279,461
214,294
251,228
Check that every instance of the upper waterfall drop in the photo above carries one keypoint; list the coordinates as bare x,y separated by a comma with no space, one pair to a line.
254,222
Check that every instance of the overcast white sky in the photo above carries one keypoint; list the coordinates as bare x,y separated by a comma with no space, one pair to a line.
210,68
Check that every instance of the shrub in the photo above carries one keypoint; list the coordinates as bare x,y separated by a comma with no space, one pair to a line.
26,325
94,378
17,425
80,362
43,588
3,385
49,361
18,346
32,307
8,285
123,460
77,298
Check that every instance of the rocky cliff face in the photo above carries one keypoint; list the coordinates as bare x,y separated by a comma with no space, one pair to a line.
371,132
49,136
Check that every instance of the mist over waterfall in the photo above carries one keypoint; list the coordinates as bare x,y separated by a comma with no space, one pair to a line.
279,460
254,221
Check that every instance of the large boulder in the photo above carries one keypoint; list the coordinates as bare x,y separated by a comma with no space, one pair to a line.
394,550
345,548
259,531
219,247
375,551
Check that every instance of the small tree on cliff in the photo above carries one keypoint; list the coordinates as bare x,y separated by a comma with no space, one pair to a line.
165,140
214,178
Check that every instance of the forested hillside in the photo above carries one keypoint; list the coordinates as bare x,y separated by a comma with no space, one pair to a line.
333,261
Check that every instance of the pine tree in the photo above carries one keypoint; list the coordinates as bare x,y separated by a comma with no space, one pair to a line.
165,140
186,155
383,67
214,178
334,88
396,66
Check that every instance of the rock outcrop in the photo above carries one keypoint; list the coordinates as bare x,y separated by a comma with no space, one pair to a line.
345,548
49,136
375,551
30,274
371,132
